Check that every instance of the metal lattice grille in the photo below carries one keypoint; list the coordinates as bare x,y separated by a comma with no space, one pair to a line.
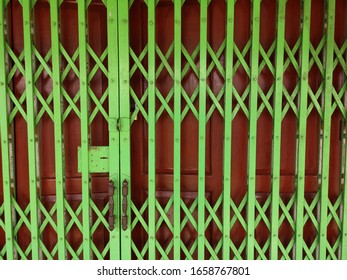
173,129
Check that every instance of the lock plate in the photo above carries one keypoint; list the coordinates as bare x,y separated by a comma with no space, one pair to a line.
98,159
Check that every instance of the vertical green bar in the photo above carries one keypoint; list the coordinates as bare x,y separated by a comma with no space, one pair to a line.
177,129
58,137
327,112
202,129
124,111
344,207
5,153
276,151
344,185
252,149
113,85
151,128
29,85
84,100
228,127
301,156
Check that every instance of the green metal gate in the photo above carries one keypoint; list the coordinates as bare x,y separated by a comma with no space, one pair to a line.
183,129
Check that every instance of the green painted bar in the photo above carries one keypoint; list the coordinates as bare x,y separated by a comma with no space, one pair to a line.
301,156
84,100
124,94
177,128
113,85
202,129
5,151
344,206
229,61
252,148
276,151
328,79
151,130
29,85
58,130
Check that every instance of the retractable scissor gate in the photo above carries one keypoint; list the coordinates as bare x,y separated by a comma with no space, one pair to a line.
173,129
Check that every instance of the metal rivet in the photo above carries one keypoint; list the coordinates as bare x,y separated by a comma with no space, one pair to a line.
125,81
124,20
201,138
201,179
228,138
150,22
177,140
177,21
125,139
151,82
1,83
203,19
230,19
